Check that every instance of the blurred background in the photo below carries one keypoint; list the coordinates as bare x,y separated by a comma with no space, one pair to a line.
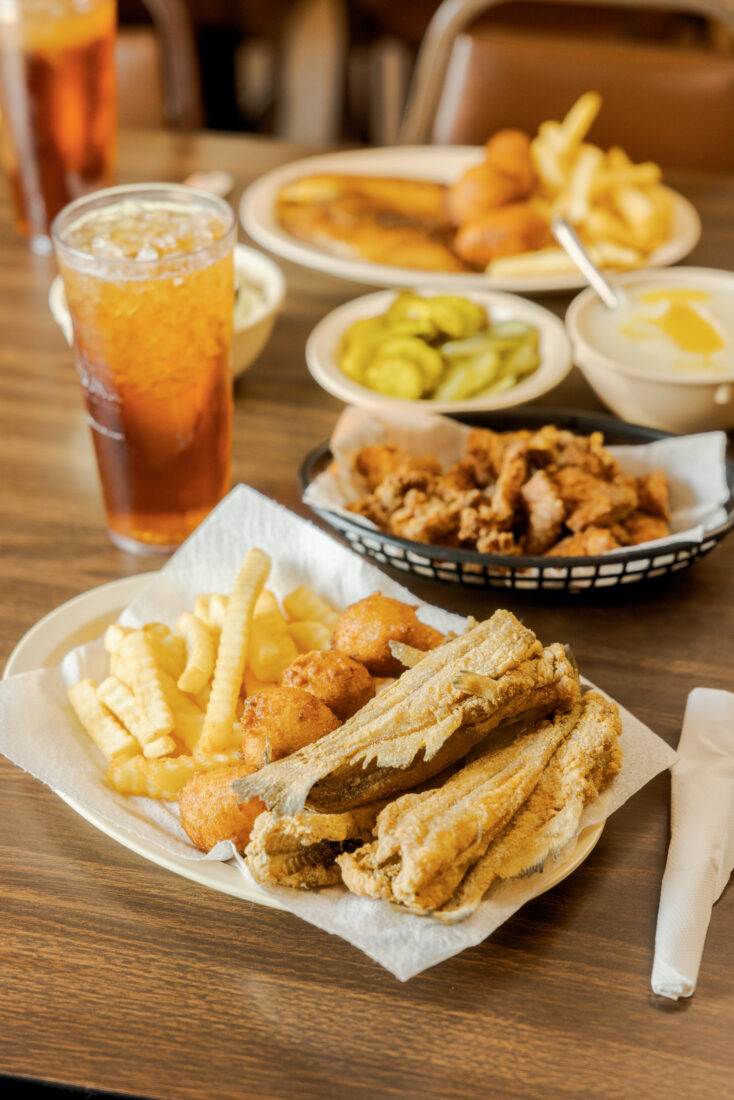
332,71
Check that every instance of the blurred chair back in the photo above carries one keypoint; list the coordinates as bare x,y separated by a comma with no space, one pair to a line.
671,104
157,70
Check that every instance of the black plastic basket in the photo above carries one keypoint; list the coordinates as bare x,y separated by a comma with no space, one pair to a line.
628,566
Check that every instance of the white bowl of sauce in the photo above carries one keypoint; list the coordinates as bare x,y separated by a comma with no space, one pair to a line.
665,357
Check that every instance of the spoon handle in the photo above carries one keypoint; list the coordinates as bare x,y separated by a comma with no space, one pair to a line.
568,239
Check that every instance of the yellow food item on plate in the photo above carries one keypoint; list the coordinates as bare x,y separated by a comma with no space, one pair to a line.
148,716
453,353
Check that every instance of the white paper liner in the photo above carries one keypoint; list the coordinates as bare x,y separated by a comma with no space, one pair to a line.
693,464
39,732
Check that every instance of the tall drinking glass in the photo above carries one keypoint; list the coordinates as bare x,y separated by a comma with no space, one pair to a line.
149,276
58,110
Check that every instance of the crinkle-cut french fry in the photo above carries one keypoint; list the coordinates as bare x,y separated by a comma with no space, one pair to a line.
211,609
226,759
218,610
271,648
114,635
309,635
303,605
233,646
577,122
101,725
162,746
201,698
188,718
162,778
200,653
138,649
168,648
252,685
123,669
120,699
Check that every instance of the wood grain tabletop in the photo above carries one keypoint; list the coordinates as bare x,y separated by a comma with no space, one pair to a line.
118,975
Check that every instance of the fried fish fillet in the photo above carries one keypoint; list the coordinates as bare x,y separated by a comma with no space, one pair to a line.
301,850
427,842
399,222
429,718
580,769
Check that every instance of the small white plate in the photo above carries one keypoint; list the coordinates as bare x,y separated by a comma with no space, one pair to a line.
555,353
444,164
84,618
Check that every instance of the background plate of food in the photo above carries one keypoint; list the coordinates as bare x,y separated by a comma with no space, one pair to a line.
470,217
397,351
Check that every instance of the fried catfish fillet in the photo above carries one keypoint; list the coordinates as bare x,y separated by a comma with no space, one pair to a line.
429,718
301,850
580,769
427,842
399,222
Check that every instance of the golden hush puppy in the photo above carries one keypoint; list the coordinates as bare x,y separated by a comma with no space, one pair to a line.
365,629
277,722
210,810
342,683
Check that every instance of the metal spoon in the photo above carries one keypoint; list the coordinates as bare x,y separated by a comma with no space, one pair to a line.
568,239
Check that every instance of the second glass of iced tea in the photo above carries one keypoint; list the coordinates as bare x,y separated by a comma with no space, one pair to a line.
149,277
57,102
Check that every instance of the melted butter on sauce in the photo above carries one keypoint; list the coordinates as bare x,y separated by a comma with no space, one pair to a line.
681,322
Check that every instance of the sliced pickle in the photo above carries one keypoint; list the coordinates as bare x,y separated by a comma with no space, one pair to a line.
395,378
465,377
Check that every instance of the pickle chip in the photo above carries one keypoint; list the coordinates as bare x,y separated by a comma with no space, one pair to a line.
395,378
443,348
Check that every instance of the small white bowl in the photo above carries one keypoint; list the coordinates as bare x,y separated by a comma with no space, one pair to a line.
674,402
248,340
555,353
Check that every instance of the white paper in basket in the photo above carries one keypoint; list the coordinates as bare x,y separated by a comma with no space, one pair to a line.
39,732
693,464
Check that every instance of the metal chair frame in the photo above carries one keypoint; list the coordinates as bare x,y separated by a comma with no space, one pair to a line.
182,102
454,16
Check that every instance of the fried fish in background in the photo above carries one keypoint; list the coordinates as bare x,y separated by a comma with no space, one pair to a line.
430,717
400,222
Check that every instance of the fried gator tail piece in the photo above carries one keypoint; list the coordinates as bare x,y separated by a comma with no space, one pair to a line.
429,718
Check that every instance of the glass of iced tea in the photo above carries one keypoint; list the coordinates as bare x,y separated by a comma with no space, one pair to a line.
149,277
58,108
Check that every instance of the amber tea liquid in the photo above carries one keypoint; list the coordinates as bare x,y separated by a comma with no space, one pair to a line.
58,109
149,278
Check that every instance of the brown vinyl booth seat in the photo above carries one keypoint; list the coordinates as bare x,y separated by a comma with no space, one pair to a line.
666,102
672,105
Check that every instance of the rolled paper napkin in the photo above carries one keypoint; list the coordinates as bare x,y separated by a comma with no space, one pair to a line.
701,852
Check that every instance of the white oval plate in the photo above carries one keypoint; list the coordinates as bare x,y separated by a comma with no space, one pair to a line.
84,618
555,353
431,162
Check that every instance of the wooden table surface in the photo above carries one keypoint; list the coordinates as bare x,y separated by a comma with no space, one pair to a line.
116,974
